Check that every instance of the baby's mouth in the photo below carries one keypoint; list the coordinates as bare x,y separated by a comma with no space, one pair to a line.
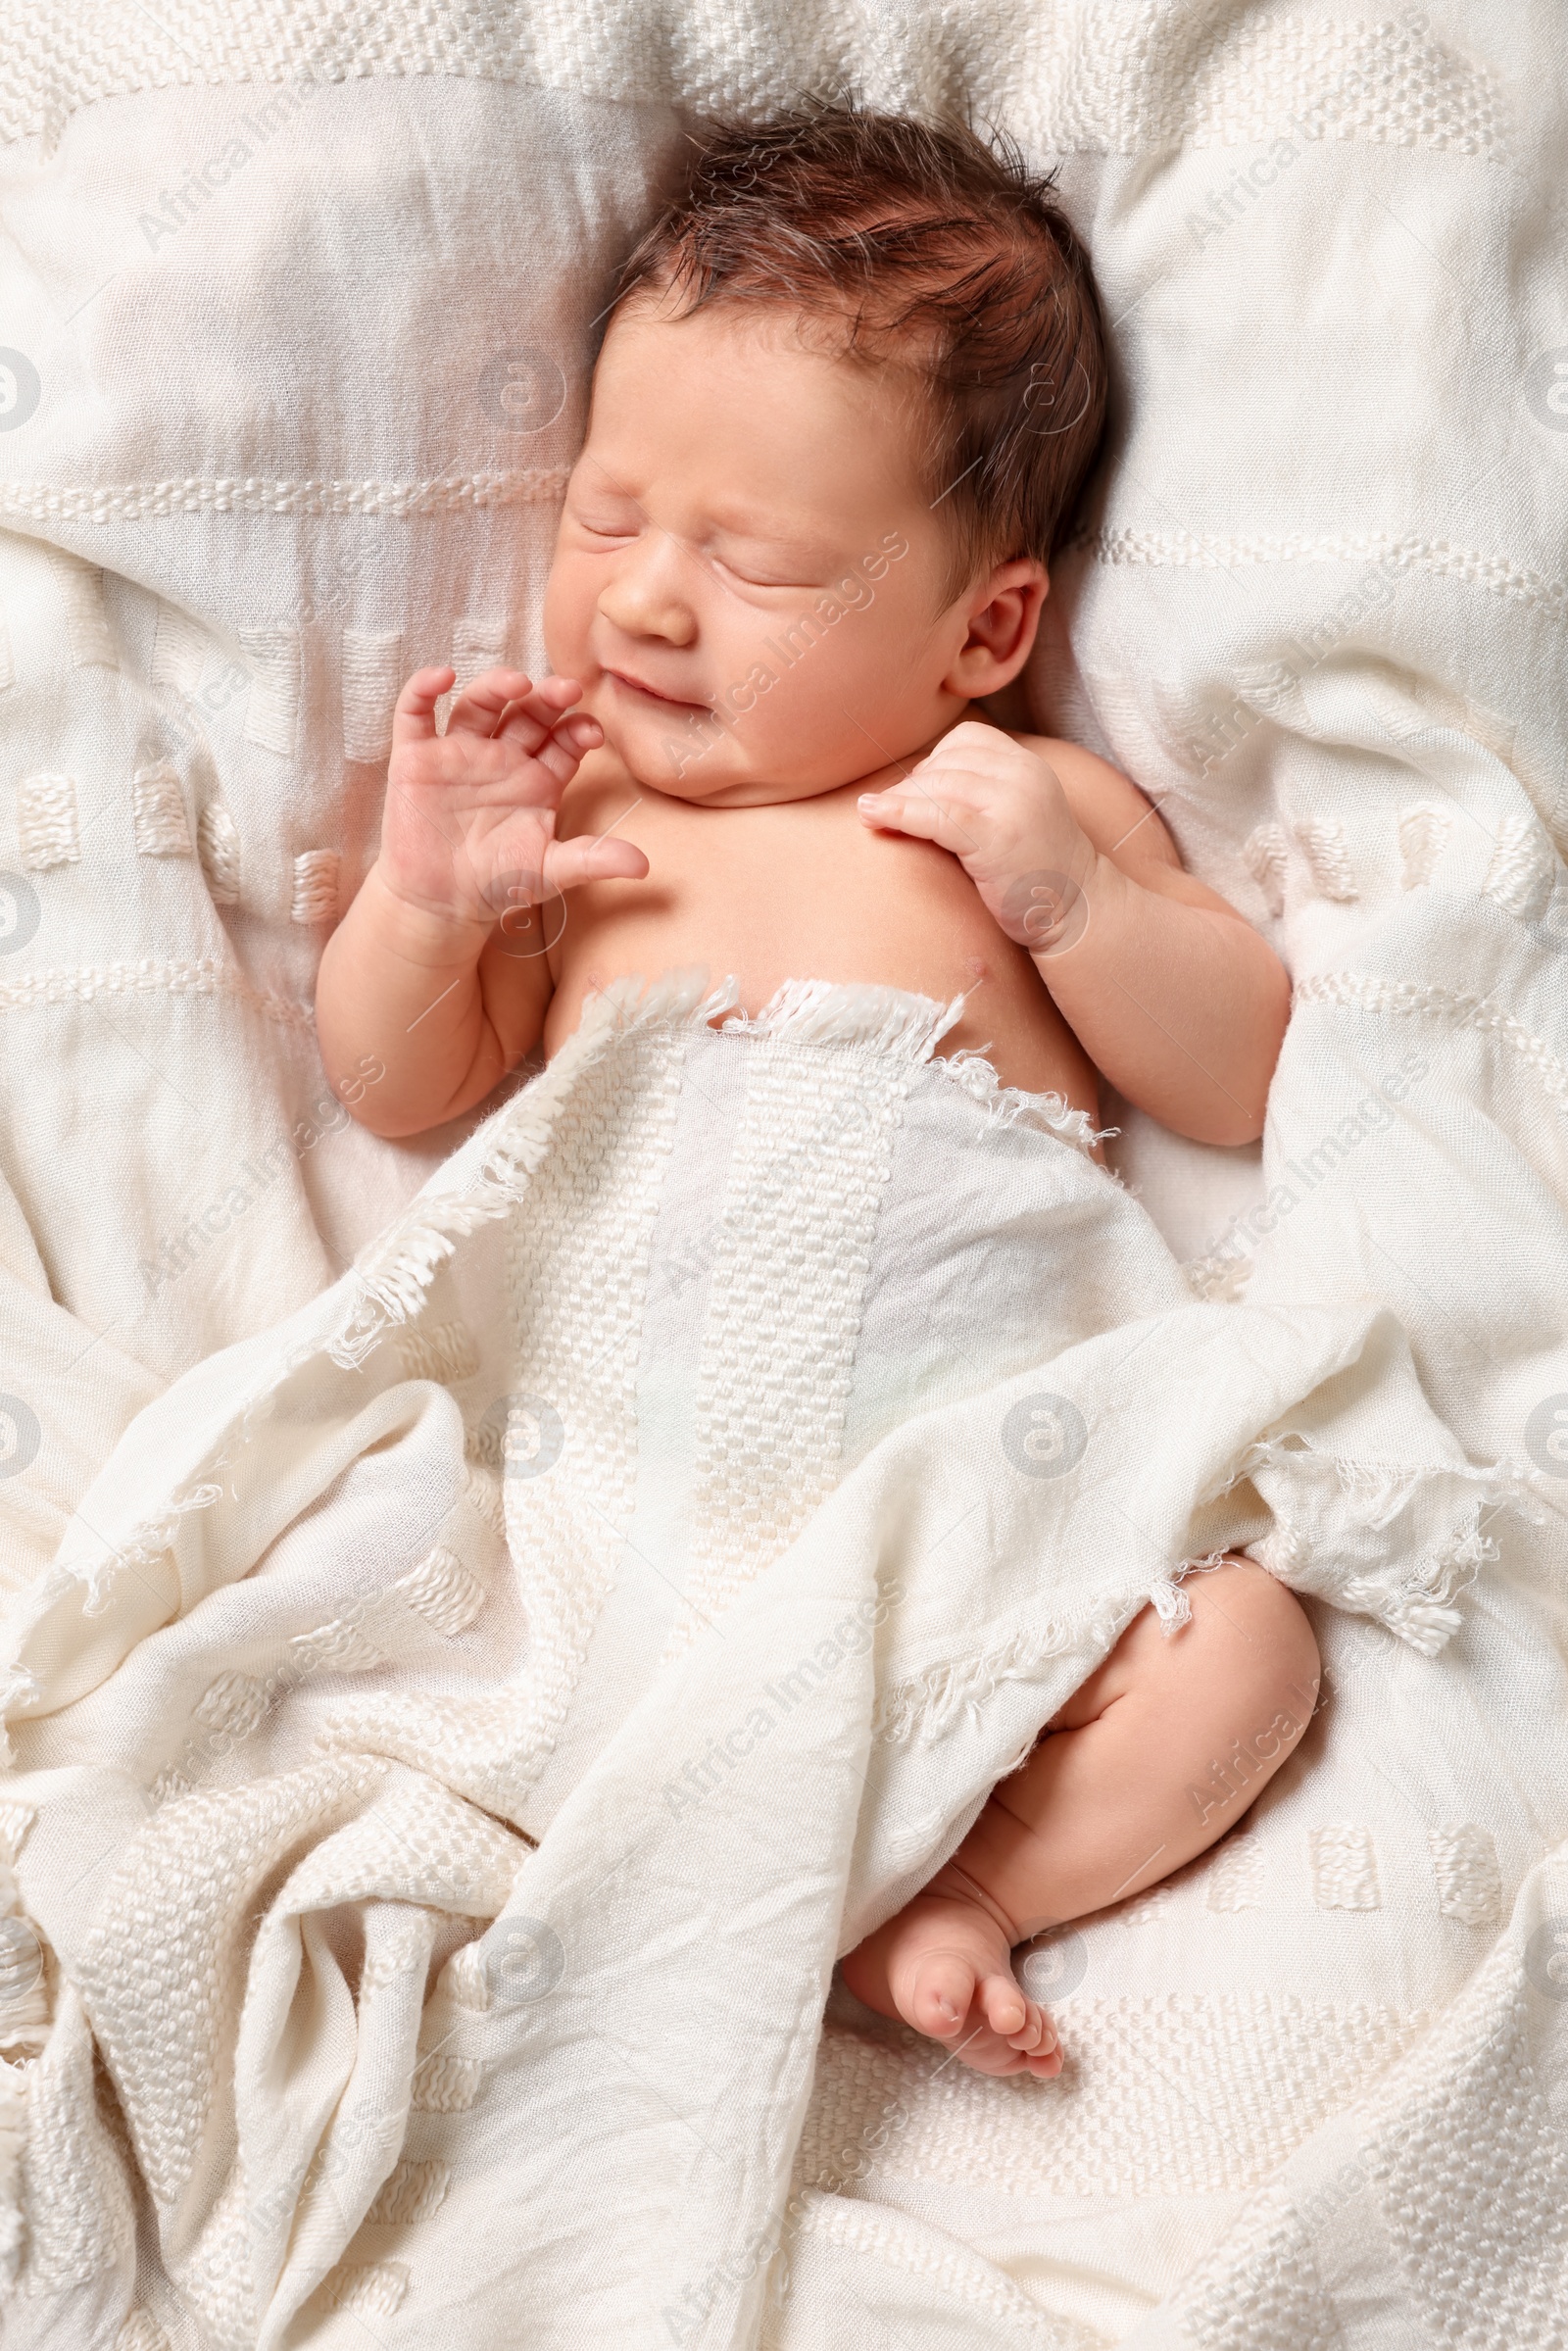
635,685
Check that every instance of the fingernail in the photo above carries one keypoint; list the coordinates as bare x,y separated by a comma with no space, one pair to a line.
868,800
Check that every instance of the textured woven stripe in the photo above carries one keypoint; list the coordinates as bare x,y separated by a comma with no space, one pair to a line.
1369,993
578,1266
1262,2290
811,1166
1083,78
202,975
1469,2171
1221,551
147,500
1212,2091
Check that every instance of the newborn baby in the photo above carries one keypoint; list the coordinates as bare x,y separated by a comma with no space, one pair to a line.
851,386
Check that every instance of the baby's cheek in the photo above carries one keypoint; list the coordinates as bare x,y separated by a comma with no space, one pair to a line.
566,614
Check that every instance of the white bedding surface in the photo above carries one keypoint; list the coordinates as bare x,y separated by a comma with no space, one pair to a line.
1317,608
665,1539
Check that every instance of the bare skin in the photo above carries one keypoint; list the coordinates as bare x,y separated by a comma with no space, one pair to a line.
1104,1807
759,754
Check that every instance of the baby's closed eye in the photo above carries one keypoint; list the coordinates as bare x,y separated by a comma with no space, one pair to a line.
772,564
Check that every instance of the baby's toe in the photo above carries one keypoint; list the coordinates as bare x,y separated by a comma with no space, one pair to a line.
940,1994
1036,2036
1005,2008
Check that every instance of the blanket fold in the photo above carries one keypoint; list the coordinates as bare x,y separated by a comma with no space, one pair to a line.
768,1405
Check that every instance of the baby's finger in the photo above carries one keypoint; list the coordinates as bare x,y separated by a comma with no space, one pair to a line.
975,745
414,712
533,716
569,863
561,752
976,773
973,734
922,817
478,708
579,734
957,775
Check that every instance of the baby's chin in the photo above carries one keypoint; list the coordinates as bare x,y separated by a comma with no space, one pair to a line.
674,760
701,789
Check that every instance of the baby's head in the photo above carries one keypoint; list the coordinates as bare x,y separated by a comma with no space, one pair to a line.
852,384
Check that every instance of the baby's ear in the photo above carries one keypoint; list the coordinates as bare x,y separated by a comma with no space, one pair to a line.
1003,616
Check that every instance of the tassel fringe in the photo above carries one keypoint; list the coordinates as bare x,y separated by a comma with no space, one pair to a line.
928,1706
893,1023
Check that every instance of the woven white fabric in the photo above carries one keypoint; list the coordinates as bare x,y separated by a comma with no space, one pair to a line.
298,310
854,1523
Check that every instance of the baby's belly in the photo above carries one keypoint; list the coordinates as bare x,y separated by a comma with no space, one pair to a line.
877,911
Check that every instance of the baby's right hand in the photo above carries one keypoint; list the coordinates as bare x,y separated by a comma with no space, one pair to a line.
470,826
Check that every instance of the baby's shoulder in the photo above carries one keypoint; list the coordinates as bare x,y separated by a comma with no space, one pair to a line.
1117,815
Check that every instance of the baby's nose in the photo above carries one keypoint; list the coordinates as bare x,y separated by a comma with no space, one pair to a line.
644,602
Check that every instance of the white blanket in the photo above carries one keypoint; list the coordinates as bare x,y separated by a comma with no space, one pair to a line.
806,1417
292,368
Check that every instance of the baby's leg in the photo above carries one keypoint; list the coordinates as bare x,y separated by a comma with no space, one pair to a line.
1158,1752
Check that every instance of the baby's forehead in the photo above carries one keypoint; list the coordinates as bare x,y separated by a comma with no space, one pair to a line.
880,389
787,437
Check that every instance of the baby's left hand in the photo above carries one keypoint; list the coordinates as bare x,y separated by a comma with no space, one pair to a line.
1002,813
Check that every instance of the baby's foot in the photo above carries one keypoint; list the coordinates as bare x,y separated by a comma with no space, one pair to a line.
944,1965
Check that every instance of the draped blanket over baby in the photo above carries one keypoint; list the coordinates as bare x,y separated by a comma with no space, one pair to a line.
465,1721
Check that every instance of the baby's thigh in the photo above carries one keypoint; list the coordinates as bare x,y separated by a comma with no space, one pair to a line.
1245,1667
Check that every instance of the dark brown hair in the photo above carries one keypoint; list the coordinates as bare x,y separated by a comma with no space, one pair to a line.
922,246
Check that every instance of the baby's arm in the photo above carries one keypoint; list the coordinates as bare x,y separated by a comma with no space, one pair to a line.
437,969
1173,996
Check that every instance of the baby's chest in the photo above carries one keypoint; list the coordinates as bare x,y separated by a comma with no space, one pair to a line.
809,892
809,882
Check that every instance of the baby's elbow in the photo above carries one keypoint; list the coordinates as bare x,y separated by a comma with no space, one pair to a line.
401,1120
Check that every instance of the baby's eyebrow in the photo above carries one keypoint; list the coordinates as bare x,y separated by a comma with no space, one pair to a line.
604,483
